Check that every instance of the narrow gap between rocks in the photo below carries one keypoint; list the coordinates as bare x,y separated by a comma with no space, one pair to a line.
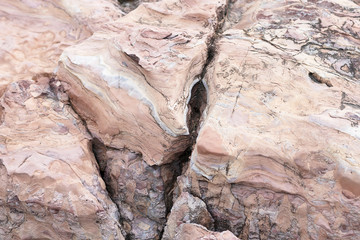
197,104
196,107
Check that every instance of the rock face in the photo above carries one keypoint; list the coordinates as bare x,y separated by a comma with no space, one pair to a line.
186,119
50,184
34,33
277,156
187,209
189,231
122,82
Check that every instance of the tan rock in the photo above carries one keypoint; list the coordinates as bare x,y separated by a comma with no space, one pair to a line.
50,184
277,155
280,139
186,209
34,33
132,85
191,231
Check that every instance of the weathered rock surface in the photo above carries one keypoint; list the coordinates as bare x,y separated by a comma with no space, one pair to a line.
191,231
139,190
132,85
277,156
50,184
34,33
122,83
100,106
187,209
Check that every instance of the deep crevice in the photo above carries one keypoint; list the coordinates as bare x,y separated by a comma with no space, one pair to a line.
196,107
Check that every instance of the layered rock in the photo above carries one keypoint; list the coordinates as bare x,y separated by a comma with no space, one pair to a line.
186,209
277,156
191,231
51,187
132,85
34,33
50,183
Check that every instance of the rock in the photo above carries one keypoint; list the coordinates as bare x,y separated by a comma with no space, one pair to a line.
187,209
50,184
191,231
139,192
277,156
123,82
51,187
34,33
129,5
101,105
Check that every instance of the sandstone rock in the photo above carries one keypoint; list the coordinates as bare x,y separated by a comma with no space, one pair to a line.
129,5
277,156
187,209
132,85
50,185
34,33
191,231
122,83
139,191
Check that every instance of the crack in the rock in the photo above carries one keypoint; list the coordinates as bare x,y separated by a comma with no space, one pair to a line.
59,89
196,106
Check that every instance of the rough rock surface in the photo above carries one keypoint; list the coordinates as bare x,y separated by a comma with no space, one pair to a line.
34,33
187,209
277,156
123,82
50,183
191,231
189,119
138,189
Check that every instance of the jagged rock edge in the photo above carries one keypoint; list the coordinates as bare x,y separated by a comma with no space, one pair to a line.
199,82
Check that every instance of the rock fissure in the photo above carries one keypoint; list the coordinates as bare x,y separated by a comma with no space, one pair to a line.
179,119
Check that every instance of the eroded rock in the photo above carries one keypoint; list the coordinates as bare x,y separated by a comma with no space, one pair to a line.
132,85
191,231
277,155
50,183
187,209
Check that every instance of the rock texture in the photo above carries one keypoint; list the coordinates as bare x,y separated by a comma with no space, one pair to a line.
123,82
187,209
277,156
189,231
50,184
34,33
188,119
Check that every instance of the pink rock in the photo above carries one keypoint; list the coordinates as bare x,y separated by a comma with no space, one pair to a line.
50,185
191,231
132,84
